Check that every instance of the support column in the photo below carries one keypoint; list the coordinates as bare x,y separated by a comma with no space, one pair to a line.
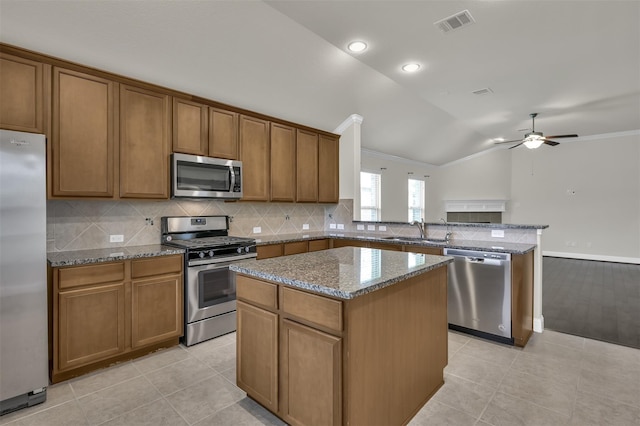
350,161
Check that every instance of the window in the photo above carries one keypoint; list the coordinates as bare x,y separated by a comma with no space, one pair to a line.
369,196
416,200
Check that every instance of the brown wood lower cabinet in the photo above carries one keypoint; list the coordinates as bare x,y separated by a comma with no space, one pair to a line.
521,298
317,360
102,313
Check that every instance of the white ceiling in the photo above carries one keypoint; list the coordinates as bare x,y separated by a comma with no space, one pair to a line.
576,63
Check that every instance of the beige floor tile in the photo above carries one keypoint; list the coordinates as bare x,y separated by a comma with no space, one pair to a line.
557,369
104,378
230,375
621,353
437,414
454,347
496,353
607,364
620,388
547,393
221,358
117,400
67,414
562,339
245,412
201,349
158,412
592,410
179,375
204,398
464,395
161,359
505,410
461,338
476,370
553,351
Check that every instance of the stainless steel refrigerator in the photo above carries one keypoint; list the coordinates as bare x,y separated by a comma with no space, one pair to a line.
23,271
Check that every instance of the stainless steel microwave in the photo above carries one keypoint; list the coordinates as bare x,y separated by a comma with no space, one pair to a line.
195,176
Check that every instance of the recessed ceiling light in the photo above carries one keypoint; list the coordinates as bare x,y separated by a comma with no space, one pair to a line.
497,140
357,46
411,67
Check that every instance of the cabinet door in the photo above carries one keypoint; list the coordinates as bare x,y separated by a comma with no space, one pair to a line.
254,154
144,143
271,250
257,354
385,246
311,376
296,247
223,134
306,166
521,298
338,242
190,127
156,310
283,163
426,250
82,142
317,245
21,94
90,325
328,170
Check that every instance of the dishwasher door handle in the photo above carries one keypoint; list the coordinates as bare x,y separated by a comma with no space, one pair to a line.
475,259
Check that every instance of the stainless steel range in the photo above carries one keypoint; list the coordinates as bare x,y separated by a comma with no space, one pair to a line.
210,288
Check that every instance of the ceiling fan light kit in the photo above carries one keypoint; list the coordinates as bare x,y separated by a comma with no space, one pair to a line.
533,139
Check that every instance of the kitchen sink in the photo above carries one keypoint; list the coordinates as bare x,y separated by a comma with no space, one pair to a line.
418,239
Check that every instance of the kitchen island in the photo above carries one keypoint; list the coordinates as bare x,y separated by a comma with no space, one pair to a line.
343,336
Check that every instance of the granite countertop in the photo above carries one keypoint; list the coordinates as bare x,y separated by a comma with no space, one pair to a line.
346,272
464,224
84,257
492,246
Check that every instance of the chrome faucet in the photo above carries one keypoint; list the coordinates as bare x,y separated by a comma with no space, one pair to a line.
447,236
421,226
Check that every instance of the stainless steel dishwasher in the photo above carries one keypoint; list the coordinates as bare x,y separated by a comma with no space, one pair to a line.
479,293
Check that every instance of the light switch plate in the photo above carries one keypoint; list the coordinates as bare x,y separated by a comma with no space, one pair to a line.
305,226
117,238
257,229
371,227
340,226
497,233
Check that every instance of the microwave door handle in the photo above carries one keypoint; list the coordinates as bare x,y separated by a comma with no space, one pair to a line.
233,179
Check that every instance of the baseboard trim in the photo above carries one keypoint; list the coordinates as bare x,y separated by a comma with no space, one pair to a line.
582,256
538,324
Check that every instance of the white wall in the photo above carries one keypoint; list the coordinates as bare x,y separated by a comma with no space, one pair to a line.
600,221
395,191
588,192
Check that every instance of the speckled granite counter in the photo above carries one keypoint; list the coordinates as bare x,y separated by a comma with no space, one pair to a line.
346,272
492,246
83,257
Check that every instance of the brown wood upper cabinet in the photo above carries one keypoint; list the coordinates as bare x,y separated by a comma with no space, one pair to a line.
145,120
21,94
254,154
328,169
283,163
223,134
190,127
81,153
306,166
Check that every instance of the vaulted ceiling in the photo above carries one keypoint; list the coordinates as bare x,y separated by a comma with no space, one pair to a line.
576,63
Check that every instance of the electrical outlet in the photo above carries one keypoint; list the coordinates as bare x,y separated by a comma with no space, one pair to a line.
360,227
340,226
332,226
371,227
305,226
116,238
497,233
257,229
382,228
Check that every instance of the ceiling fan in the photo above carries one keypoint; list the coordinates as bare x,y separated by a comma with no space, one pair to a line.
534,139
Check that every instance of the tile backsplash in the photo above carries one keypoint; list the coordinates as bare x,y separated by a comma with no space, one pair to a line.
80,225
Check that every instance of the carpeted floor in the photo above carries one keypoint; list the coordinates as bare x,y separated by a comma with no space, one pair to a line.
598,300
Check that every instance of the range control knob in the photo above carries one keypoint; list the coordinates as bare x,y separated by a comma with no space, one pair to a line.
246,249
201,254
210,253
239,250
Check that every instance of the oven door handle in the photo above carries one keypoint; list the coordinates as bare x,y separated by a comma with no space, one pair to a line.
220,264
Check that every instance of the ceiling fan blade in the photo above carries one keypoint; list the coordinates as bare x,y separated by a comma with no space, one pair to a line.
561,136
516,145
515,140
551,143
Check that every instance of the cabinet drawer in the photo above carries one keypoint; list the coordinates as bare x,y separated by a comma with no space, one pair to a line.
295,247
317,245
156,266
266,252
257,292
92,274
310,307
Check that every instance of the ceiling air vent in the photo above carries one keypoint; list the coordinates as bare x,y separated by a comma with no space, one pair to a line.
483,91
455,22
